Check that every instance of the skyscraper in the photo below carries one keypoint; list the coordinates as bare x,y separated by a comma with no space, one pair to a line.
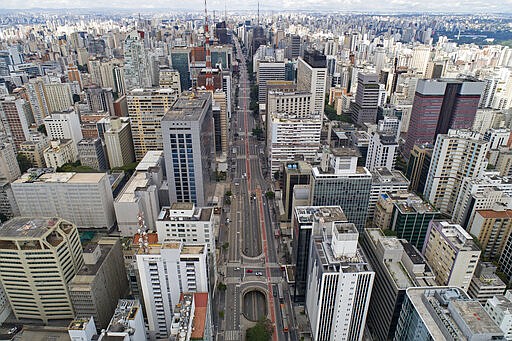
187,131
48,254
136,62
312,77
366,98
440,105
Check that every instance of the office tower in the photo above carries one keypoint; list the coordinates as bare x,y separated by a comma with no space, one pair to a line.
100,282
60,152
220,119
309,221
440,105
119,143
485,283
170,79
197,220
340,285
492,228
91,153
127,322
418,166
166,271
312,77
398,265
366,98
452,254
293,102
382,151
339,181
187,131
84,198
192,318
14,116
268,71
360,140
33,151
499,309
49,255
456,155
444,313
146,108
64,125
37,99
74,74
180,61
9,168
136,62
292,174
99,99
58,96
489,191
285,144
143,194
385,181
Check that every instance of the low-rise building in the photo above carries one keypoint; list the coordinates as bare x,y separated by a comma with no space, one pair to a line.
59,153
485,283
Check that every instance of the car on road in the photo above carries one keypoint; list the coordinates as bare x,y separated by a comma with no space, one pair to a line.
237,268
249,271
259,274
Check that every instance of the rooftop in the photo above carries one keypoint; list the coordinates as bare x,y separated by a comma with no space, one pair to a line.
384,175
47,175
126,310
456,236
151,159
188,107
27,227
492,214
310,214
190,249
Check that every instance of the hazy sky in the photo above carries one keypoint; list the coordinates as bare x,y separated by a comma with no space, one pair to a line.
465,6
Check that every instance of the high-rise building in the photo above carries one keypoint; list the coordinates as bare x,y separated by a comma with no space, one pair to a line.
187,131
268,71
9,168
339,181
418,166
37,99
382,151
385,181
308,222
15,118
180,60
444,313
84,198
119,143
192,318
312,77
166,271
143,194
146,108
293,173
456,155
451,253
136,61
127,322
499,309
340,285
440,105
398,265
170,79
64,125
48,254
58,96
492,228
199,221
220,119
91,153
366,98
100,282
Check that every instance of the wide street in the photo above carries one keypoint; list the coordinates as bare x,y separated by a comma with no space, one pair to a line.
249,259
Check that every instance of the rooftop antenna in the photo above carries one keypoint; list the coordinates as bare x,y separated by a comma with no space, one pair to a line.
258,13
209,78
142,231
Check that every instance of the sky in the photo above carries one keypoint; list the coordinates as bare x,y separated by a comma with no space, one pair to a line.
458,6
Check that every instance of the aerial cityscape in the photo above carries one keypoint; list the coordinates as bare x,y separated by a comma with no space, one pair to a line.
323,170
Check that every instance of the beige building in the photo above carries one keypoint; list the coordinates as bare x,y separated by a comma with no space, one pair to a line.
9,168
59,153
170,79
101,282
146,108
47,254
492,229
34,151
451,253
119,143
58,96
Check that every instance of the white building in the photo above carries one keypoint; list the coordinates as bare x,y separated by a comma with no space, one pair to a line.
127,323
339,285
142,194
83,198
499,309
458,154
166,271
119,143
64,125
268,71
186,223
385,181
136,62
60,152
382,151
312,77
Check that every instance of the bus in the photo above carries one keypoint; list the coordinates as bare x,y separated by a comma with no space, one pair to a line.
284,314
280,290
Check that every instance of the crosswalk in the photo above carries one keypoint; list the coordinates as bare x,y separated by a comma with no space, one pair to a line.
231,335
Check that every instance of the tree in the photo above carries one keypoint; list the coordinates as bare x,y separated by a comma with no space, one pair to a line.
258,132
277,175
262,331
225,246
24,162
228,193
270,195
222,286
